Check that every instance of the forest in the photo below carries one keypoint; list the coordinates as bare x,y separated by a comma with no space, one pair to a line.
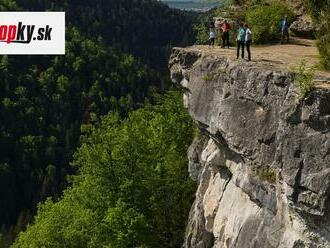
132,189
54,110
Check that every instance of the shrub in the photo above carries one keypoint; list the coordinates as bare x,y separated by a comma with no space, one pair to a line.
268,175
208,77
304,79
265,21
320,12
202,37
323,45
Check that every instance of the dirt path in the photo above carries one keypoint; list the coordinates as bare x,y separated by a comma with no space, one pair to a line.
283,56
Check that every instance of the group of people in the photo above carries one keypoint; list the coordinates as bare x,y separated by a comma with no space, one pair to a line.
244,36
244,39
225,28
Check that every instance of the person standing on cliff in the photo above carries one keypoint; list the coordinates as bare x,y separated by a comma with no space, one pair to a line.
225,28
211,25
248,40
241,40
285,30
212,38
212,33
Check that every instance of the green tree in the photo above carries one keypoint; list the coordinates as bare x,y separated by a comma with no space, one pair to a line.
43,105
8,5
132,190
265,21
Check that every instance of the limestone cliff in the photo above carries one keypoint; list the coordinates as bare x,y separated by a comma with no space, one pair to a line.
262,158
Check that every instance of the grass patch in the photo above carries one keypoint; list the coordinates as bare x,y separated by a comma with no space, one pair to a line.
222,71
208,77
268,175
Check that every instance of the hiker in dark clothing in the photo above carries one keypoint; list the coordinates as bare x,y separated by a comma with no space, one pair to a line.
248,40
211,25
241,40
225,28
285,31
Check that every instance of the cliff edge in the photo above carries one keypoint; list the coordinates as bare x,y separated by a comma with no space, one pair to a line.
262,158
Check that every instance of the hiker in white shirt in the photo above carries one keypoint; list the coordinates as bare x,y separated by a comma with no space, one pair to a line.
212,38
248,40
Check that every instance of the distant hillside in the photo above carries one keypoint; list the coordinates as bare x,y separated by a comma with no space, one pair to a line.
198,6
125,25
297,5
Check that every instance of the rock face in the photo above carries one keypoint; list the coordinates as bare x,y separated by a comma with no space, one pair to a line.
303,28
298,6
262,158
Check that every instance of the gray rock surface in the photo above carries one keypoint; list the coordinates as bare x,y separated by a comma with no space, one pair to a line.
262,162
303,28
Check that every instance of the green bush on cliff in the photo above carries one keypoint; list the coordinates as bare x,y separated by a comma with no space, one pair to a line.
320,12
267,175
265,21
304,79
132,190
202,34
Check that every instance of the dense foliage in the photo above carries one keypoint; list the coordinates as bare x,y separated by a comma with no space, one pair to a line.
320,11
144,28
116,58
43,107
202,33
304,79
133,189
265,21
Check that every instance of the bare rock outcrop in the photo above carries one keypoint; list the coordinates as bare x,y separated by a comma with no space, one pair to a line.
262,159
303,27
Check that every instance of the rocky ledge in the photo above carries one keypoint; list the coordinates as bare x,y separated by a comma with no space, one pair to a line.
262,158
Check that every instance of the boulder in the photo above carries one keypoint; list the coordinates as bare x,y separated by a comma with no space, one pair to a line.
303,28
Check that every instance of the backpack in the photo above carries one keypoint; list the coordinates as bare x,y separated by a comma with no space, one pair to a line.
241,34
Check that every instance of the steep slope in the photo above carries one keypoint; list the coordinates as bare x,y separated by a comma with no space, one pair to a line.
262,160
